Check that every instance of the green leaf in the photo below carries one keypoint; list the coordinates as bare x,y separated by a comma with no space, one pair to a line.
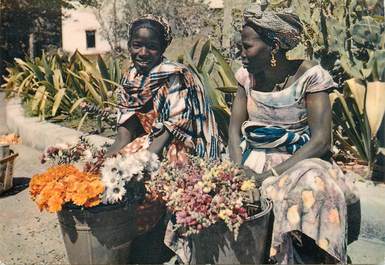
82,121
103,68
225,66
76,104
57,79
47,69
89,87
193,49
57,100
38,97
203,54
89,67
43,103
228,89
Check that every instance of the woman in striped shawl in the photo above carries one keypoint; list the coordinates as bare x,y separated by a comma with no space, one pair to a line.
161,107
280,130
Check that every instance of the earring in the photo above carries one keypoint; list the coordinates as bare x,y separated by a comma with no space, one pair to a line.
273,61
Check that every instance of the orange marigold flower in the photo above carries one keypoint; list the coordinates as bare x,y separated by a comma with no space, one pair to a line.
65,183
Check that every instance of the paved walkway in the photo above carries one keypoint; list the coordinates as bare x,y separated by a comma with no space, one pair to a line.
26,235
30,237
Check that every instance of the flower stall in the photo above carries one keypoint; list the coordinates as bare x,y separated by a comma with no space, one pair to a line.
101,204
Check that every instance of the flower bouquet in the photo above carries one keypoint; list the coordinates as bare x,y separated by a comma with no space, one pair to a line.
201,193
97,198
209,201
79,175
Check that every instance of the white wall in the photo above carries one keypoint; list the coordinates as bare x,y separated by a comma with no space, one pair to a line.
75,24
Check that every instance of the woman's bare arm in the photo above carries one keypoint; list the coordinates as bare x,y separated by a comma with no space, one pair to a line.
159,142
319,120
127,132
238,116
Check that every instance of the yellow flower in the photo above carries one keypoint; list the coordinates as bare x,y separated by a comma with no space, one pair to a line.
224,214
206,186
206,189
247,185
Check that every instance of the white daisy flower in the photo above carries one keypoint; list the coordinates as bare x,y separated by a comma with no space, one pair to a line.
130,167
115,193
110,180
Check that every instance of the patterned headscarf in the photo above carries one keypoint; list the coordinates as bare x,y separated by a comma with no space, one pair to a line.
161,21
283,27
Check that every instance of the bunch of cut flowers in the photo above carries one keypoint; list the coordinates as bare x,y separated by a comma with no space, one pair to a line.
203,192
80,175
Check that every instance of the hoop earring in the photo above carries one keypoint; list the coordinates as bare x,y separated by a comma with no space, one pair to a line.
273,61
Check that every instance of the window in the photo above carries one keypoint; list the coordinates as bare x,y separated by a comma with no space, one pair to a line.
90,38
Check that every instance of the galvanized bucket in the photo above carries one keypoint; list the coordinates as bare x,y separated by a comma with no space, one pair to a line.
104,234
6,166
216,245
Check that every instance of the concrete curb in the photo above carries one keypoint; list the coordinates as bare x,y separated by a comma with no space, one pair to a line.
41,134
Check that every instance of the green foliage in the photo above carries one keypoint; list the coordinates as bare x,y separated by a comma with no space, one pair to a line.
357,116
57,85
187,17
342,35
217,78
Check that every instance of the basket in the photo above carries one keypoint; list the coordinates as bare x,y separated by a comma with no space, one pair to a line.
6,171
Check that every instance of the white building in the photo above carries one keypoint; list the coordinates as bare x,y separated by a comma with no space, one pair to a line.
81,31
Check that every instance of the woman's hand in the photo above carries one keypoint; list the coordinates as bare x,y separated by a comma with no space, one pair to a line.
257,177
159,142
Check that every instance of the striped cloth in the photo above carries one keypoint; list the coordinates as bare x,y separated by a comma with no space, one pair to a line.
261,137
179,103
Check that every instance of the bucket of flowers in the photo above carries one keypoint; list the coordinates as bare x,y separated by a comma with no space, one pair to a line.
102,205
210,203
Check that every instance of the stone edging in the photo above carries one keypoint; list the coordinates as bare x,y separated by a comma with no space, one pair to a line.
41,134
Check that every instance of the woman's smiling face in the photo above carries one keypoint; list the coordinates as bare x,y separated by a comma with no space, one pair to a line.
146,49
255,52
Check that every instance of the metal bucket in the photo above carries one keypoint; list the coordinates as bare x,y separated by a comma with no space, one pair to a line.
216,244
103,234
5,181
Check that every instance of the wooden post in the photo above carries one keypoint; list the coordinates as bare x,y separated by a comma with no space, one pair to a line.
31,45
227,20
228,6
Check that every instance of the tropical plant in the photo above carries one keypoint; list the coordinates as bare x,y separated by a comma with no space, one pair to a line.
56,85
342,35
357,115
215,74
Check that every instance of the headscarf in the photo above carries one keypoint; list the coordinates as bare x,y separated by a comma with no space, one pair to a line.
160,21
283,27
